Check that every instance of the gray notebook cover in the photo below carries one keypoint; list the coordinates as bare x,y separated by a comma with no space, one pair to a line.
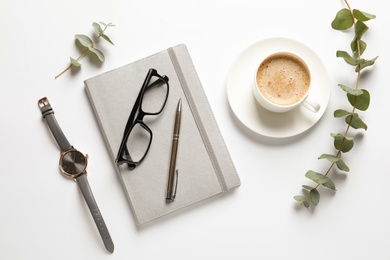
204,164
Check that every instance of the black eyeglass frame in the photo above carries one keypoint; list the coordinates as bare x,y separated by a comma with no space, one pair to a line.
136,117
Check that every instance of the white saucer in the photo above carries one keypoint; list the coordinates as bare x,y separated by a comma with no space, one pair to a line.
276,125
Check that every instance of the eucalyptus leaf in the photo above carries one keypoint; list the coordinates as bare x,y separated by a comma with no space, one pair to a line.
351,91
84,40
360,29
342,143
362,16
348,58
107,39
302,200
98,53
74,62
98,28
107,24
330,157
307,187
342,166
362,46
366,63
338,161
340,113
355,122
316,177
314,197
329,184
343,20
361,102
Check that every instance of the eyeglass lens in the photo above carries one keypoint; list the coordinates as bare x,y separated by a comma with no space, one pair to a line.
154,96
138,142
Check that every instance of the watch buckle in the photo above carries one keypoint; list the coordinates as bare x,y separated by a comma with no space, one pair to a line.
43,102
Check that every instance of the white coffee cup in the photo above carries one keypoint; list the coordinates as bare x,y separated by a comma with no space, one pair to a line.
282,82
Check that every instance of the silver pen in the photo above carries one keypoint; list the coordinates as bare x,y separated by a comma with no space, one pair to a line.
173,172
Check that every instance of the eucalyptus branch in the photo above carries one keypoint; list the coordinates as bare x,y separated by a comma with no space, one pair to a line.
89,45
358,98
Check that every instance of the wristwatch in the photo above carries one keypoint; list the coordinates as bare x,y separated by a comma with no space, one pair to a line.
73,164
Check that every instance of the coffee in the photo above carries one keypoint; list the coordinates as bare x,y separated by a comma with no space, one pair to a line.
283,79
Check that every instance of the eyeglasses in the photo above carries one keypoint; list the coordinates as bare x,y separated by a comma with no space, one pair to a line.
137,136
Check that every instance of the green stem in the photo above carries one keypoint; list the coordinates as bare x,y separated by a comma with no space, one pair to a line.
338,154
70,65
81,56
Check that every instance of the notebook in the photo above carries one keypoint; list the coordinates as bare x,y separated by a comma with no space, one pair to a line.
205,168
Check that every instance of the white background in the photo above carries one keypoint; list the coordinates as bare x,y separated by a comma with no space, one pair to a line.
43,215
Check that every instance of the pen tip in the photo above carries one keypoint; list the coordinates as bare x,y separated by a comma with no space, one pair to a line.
179,105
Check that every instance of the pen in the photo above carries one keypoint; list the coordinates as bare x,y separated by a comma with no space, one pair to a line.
172,177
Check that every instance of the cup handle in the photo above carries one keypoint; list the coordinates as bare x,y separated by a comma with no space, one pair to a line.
312,105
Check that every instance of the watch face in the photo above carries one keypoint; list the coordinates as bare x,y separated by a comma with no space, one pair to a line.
73,163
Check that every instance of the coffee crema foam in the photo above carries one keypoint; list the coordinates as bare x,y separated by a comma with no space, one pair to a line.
283,79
